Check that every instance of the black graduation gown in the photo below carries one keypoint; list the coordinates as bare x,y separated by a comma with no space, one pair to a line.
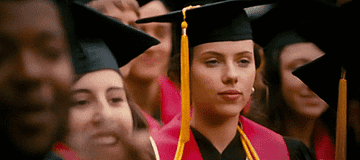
235,150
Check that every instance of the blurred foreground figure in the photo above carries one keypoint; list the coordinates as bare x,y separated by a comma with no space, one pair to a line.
103,121
36,75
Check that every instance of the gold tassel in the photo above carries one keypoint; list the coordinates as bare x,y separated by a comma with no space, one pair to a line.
340,144
185,88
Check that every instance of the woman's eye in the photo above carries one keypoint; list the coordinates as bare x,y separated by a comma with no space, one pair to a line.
212,62
116,100
243,62
82,102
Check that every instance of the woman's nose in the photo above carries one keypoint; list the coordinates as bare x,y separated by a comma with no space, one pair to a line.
230,75
101,113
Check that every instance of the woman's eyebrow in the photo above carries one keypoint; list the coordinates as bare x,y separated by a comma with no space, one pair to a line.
80,91
115,88
220,54
212,53
244,52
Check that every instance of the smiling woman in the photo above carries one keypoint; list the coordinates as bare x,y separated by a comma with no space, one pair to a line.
291,108
103,121
99,114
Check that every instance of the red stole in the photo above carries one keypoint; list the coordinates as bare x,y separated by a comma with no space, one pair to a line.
268,144
154,125
65,152
170,104
170,99
324,147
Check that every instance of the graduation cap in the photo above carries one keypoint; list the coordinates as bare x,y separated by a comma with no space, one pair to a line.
170,4
211,22
103,42
329,75
276,27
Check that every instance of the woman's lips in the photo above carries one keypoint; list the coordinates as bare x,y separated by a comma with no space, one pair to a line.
230,95
105,139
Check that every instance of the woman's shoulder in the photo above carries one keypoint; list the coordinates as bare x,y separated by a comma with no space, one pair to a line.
298,150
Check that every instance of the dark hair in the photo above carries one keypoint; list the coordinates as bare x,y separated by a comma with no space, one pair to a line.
174,66
67,21
270,101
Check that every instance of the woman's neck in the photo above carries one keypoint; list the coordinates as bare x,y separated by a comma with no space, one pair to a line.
300,128
220,131
144,93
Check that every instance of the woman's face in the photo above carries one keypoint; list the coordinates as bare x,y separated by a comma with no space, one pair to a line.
100,111
297,95
222,76
125,11
154,61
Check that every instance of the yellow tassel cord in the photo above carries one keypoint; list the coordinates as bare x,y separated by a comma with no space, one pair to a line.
249,149
340,144
185,89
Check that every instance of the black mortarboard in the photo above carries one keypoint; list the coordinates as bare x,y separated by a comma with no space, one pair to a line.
276,27
143,2
103,42
219,21
170,4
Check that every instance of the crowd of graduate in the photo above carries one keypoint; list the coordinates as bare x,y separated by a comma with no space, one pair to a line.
150,80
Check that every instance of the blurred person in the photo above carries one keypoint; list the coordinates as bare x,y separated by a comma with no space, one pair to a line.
125,11
221,74
36,76
289,107
103,121
146,74
339,63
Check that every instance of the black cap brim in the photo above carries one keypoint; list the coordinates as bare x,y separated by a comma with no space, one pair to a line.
206,10
125,42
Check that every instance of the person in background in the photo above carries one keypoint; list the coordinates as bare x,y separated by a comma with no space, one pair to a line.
340,62
221,74
124,11
103,121
291,108
36,76
146,74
